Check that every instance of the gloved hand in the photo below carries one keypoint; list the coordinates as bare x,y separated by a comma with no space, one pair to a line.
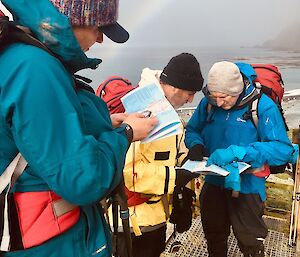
184,176
232,180
196,153
221,157
182,209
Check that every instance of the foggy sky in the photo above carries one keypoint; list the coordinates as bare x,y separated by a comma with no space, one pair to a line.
204,23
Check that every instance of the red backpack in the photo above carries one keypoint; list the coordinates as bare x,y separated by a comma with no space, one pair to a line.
112,90
270,80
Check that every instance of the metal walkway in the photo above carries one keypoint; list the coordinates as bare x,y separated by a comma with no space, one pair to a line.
194,244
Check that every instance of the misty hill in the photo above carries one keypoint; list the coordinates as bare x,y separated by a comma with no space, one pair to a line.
288,39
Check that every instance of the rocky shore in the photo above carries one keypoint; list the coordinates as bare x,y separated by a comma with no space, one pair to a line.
291,107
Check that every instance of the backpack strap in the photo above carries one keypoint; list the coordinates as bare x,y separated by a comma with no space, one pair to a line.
209,108
8,178
254,112
102,90
81,83
13,171
268,91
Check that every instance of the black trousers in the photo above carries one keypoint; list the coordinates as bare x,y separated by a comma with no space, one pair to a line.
149,244
219,211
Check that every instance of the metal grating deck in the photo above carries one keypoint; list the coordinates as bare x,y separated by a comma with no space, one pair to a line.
194,244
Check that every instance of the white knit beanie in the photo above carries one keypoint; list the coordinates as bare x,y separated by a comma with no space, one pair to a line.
225,77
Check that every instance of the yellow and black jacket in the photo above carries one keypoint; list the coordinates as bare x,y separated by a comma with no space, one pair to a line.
150,171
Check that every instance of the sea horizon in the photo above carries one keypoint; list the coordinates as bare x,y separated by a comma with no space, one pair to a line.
128,62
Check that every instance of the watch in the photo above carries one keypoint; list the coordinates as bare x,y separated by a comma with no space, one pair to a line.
128,131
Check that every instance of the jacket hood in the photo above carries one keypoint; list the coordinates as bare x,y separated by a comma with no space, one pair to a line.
249,76
249,92
149,76
53,29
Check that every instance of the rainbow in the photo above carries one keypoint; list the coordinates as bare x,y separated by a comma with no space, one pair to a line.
141,13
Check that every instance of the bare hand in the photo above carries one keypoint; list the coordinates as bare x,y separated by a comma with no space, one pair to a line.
141,126
118,118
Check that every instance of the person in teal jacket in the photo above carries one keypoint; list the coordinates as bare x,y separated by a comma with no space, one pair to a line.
65,135
220,128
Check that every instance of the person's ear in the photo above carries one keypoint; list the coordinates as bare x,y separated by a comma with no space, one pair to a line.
100,37
175,90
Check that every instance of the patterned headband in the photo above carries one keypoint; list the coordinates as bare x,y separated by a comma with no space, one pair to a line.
89,12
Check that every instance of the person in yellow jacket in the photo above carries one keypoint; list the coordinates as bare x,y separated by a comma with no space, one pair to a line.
149,171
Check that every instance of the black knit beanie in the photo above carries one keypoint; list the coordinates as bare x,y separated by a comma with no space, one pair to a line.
183,71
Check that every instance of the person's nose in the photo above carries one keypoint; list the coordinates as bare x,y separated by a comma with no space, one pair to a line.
220,102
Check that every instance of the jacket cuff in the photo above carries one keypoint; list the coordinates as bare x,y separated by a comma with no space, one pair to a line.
127,131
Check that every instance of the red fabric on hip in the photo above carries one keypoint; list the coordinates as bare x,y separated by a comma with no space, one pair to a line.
38,222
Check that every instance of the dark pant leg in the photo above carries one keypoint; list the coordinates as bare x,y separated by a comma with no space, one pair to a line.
215,220
149,244
245,214
121,245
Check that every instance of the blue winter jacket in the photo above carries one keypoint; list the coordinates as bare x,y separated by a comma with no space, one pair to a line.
218,129
66,136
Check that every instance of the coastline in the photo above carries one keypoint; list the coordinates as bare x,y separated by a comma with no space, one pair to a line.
290,105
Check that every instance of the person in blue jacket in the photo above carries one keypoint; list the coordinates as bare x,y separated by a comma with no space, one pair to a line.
221,128
64,133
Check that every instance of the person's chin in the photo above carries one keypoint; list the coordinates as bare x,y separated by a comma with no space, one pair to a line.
182,105
226,107
176,106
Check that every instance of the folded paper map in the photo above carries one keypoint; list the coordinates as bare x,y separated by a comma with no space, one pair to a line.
151,98
201,168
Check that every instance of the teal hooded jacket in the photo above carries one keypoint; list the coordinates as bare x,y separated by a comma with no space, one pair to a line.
66,136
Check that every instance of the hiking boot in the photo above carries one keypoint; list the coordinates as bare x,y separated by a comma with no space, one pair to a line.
257,253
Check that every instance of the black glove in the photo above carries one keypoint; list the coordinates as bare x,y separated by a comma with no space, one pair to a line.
197,152
184,176
181,215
